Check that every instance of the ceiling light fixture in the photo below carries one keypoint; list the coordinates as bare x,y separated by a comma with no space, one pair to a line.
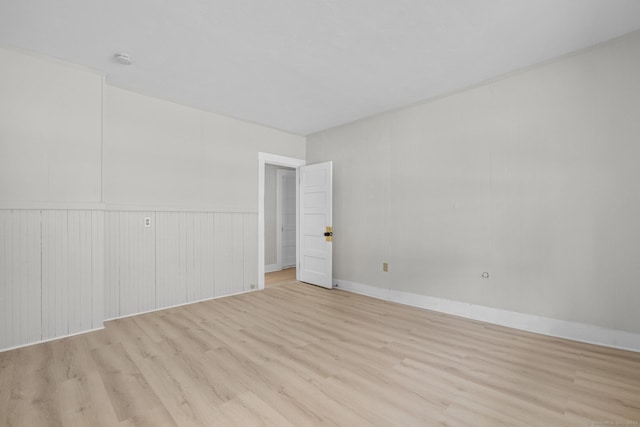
123,58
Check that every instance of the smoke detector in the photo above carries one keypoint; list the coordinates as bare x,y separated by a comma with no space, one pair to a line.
123,58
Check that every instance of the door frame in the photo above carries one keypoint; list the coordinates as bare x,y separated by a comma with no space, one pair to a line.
279,198
277,160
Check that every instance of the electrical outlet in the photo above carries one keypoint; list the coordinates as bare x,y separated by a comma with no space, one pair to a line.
385,266
147,222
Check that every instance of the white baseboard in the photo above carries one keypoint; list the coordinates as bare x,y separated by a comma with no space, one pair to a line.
50,339
122,317
271,268
178,305
575,331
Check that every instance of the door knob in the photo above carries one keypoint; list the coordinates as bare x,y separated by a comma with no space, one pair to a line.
328,235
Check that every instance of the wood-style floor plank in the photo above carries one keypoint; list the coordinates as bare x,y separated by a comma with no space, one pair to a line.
279,277
299,355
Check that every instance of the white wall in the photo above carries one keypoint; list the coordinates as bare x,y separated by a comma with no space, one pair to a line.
68,253
195,175
49,130
533,178
158,153
51,235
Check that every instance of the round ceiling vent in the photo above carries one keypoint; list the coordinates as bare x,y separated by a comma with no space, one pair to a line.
123,58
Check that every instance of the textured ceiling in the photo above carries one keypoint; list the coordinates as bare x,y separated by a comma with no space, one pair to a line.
307,65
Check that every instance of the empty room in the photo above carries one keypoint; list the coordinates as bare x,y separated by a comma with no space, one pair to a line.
320,212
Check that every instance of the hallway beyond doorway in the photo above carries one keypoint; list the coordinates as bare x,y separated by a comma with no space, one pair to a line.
281,277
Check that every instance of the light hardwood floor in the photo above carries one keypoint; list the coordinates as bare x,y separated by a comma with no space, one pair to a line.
281,277
297,355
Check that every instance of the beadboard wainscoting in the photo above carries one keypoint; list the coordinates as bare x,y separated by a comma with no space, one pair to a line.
130,264
20,280
51,274
65,271
181,257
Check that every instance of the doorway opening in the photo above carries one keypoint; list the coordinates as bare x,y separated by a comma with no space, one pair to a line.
279,218
285,249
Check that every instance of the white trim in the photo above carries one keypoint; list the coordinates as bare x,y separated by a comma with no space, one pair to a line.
122,317
84,206
575,331
271,268
109,207
178,305
272,159
50,339
207,208
103,81
278,220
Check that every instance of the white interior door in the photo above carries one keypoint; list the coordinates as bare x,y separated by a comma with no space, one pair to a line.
315,201
286,221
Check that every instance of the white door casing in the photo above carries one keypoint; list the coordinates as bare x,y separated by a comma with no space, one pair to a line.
286,218
315,204
273,159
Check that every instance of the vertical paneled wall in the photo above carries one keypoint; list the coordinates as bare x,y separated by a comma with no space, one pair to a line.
72,279
65,271
181,257
130,258
250,251
174,235
20,272
51,280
